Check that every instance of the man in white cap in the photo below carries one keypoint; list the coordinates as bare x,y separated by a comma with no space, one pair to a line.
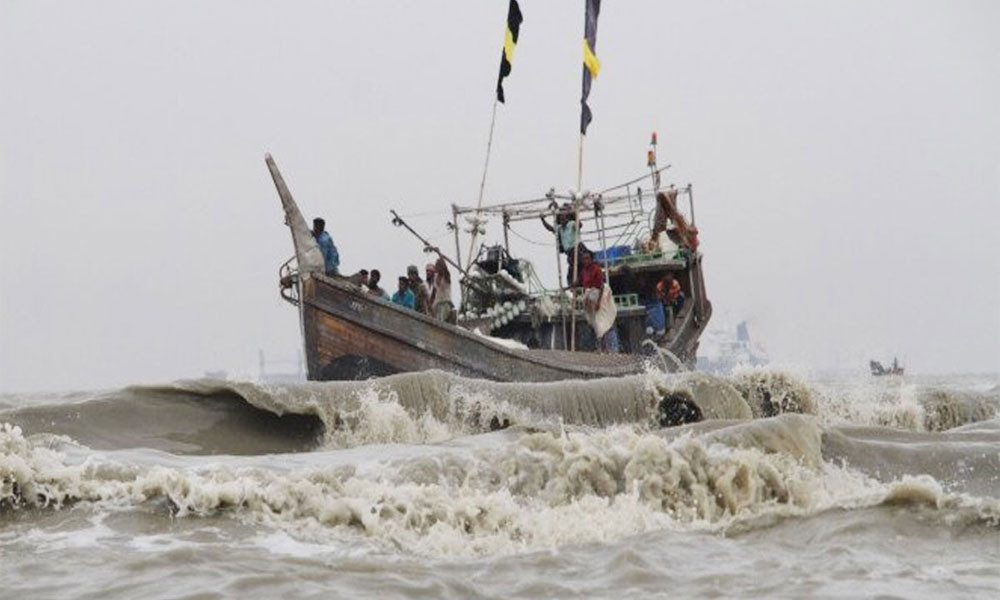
429,277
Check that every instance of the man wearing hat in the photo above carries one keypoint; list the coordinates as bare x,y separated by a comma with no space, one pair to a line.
422,298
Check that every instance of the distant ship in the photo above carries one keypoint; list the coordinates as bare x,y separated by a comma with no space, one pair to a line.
878,370
721,352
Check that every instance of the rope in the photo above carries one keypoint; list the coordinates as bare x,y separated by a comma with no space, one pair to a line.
529,240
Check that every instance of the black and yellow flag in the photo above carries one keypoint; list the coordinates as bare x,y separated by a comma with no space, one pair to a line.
510,39
591,65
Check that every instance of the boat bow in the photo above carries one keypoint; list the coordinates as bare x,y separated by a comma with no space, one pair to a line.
307,252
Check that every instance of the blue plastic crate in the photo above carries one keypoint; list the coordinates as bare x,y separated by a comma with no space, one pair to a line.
612,254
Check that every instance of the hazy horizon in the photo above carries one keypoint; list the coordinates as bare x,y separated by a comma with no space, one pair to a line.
845,159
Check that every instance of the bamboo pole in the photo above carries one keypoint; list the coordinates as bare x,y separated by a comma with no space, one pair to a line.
482,183
458,255
690,192
574,272
576,246
399,222
562,291
506,237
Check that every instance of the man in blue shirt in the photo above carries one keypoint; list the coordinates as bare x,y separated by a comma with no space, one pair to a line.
405,296
331,258
567,232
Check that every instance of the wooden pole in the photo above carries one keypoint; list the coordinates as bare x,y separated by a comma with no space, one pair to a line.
575,272
690,192
398,221
482,183
506,227
454,224
562,290
458,253
576,246
599,217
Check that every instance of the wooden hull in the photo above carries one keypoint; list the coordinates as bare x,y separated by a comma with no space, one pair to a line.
351,335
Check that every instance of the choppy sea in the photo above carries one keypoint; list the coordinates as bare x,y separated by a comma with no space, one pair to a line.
429,485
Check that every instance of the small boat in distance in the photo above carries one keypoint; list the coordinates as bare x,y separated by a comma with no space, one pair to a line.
878,370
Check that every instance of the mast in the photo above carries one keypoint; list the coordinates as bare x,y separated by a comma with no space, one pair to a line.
575,272
591,66
511,33
482,184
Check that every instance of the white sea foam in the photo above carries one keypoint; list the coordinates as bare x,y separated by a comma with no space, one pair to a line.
541,490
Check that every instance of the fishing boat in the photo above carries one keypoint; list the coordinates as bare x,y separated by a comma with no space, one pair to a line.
509,327
878,370
509,324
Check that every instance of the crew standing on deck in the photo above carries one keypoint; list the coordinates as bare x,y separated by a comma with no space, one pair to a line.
404,296
331,258
670,293
441,296
429,275
421,296
599,303
374,289
567,232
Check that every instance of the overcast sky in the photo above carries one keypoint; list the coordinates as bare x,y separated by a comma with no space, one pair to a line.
845,157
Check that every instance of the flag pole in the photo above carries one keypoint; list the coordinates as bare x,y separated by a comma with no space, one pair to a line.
482,184
511,32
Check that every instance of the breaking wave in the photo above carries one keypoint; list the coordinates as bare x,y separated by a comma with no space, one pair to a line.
234,417
441,465
531,492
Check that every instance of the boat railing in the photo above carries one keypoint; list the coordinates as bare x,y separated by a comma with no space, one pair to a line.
288,278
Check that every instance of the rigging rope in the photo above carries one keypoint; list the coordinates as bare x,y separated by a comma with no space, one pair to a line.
529,240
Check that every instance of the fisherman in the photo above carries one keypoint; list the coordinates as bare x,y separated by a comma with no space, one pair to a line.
682,234
598,302
656,316
567,232
441,296
331,258
670,293
627,282
403,296
373,288
421,295
360,279
429,278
